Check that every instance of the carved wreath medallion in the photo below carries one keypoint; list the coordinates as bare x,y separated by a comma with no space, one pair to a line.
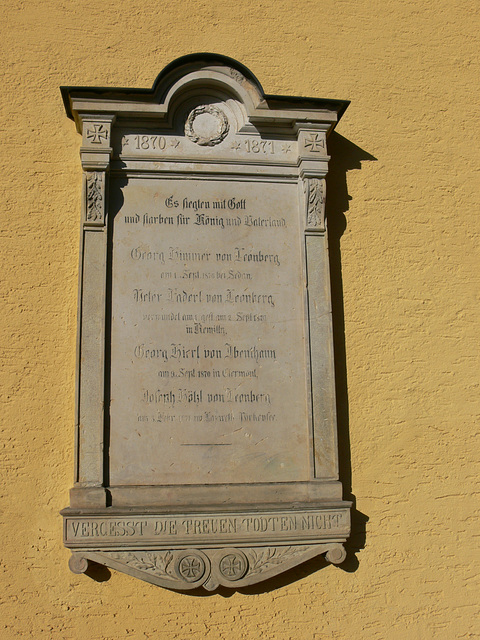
206,125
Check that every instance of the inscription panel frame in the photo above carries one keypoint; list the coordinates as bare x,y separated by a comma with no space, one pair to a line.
205,119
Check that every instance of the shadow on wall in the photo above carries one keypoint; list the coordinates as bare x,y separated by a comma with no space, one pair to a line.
345,156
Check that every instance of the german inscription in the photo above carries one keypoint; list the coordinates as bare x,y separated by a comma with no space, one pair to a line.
206,437
200,528
208,364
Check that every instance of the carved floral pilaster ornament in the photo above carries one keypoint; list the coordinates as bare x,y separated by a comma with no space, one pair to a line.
206,431
315,196
95,197
95,155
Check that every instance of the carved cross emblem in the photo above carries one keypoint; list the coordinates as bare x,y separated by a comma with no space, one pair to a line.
232,566
97,133
191,568
314,142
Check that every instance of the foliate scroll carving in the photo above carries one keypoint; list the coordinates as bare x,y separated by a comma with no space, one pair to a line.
77,563
236,75
264,559
157,563
207,125
190,568
183,569
95,197
315,196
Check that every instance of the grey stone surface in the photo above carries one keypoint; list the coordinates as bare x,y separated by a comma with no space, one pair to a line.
206,431
205,528
208,334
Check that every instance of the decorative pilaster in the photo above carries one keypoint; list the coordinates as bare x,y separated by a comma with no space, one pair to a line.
313,161
95,155
95,197
313,164
315,203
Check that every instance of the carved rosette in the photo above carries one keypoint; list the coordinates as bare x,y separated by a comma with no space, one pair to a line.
191,568
315,203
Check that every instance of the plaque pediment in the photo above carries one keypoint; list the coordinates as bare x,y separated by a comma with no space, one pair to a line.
206,432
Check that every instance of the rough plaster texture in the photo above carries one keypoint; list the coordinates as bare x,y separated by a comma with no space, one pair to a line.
410,280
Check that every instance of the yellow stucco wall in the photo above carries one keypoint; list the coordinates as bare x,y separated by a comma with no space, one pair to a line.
410,271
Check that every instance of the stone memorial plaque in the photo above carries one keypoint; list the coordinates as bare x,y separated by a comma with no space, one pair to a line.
206,433
208,341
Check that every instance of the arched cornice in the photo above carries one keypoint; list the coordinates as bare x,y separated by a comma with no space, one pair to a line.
210,71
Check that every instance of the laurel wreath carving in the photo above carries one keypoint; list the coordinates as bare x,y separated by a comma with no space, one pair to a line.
222,125
94,196
316,203
271,556
158,564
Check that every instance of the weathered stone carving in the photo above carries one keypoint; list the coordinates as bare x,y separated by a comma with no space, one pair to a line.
158,563
191,566
314,142
95,196
264,558
233,565
206,125
187,569
207,449
78,563
315,190
97,133
336,555
239,77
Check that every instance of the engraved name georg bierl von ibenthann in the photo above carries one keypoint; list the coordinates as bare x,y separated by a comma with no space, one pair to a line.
205,293
206,403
